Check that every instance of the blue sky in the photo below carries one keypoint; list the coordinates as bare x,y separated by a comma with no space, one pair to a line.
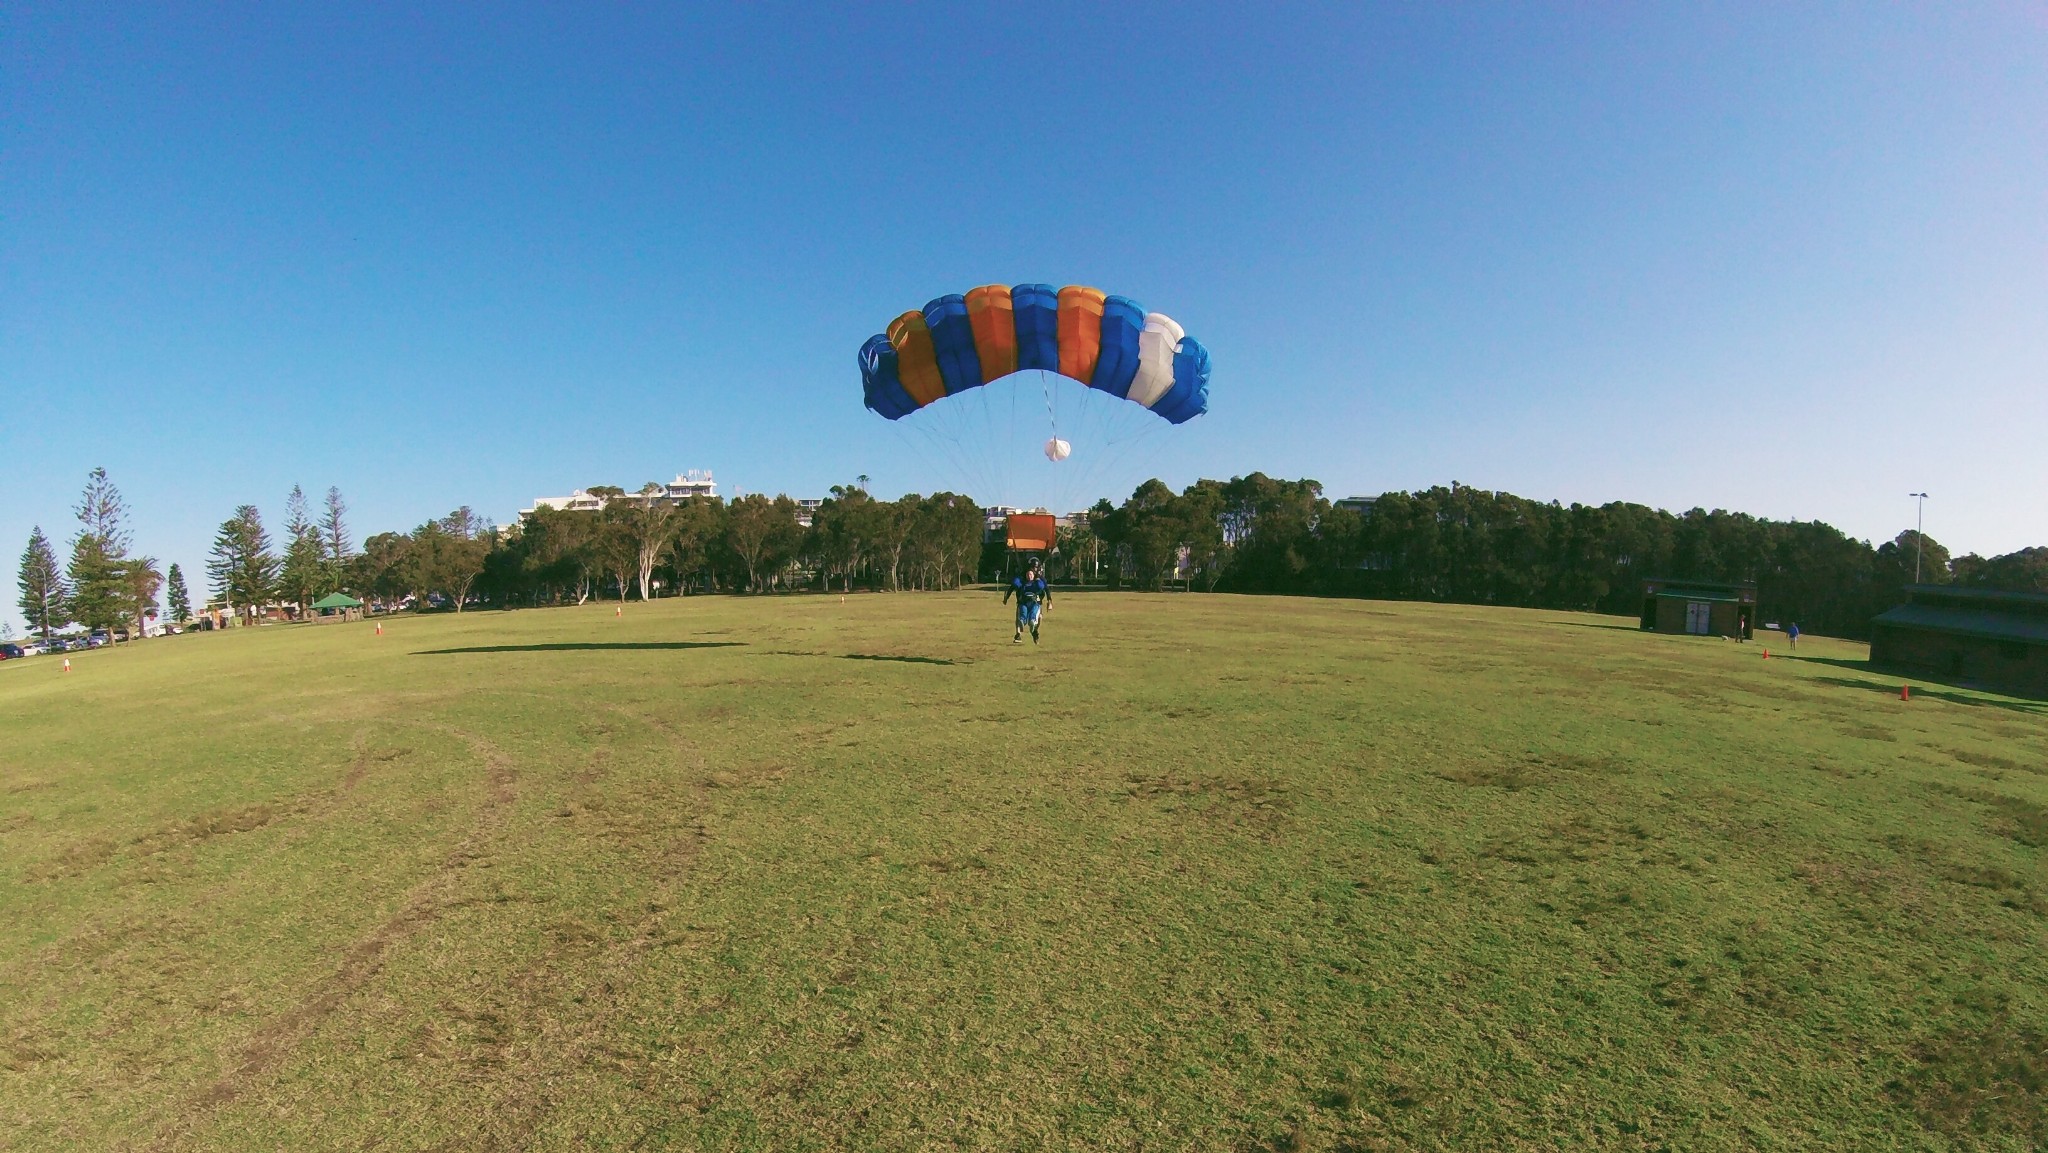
1789,262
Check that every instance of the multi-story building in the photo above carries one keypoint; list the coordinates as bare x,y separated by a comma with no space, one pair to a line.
683,487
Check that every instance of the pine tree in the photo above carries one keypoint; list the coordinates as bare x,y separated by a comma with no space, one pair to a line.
102,513
100,592
181,600
305,570
45,601
333,531
241,565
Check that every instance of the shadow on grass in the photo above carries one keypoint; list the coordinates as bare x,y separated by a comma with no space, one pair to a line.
1838,662
1590,625
899,660
1891,689
584,646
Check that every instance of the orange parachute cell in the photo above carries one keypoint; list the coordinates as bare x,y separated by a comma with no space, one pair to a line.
917,363
1080,331
994,321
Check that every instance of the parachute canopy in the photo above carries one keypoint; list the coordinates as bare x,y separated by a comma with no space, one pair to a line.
1107,343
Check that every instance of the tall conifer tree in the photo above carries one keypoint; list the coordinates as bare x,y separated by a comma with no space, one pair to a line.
241,565
100,592
180,598
45,600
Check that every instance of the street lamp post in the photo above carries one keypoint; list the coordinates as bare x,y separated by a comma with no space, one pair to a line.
1919,531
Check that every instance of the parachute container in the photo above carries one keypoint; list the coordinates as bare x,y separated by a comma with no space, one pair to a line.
1057,450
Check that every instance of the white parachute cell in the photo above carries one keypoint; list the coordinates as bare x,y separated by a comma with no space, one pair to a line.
1057,449
1156,346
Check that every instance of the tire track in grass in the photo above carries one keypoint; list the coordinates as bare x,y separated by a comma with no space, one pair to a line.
110,938
542,1082
276,1040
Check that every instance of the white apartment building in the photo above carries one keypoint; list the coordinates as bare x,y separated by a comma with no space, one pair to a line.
696,482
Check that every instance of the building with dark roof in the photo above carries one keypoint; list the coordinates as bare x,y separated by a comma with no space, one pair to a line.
1702,608
1984,638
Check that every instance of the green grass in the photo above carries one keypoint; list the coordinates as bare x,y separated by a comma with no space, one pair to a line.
1197,873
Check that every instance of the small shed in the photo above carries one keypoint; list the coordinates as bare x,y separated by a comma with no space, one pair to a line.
1985,638
1701,608
339,605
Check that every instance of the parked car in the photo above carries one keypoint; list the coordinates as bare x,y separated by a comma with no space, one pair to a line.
32,649
98,641
11,652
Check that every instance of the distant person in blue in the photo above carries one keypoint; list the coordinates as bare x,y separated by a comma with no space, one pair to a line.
1032,595
1792,634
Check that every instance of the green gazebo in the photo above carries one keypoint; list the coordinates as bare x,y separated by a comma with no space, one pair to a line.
342,604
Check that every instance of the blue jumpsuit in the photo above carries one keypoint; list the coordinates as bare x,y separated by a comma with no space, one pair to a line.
1031,595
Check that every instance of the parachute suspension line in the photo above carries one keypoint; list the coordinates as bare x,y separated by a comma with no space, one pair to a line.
998,461
946,434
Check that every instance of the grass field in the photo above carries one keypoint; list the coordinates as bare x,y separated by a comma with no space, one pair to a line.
1197,873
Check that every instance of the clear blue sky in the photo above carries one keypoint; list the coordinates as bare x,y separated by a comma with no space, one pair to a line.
1788,262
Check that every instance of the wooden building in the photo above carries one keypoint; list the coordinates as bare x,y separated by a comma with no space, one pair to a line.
1702,608
1983,638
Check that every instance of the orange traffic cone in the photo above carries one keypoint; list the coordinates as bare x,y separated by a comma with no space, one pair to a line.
1905,692
1767,654
380,628
619,610
67,664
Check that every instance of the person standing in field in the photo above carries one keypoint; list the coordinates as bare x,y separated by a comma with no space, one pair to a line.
1032,595
1792,636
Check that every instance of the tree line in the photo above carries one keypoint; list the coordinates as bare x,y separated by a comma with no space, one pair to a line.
246,574
1250,534
104,589
99,585
641,544
1258,534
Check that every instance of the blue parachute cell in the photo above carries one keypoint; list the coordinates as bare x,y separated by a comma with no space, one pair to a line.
953,343
884,390
1189,396
1122,320
1038,326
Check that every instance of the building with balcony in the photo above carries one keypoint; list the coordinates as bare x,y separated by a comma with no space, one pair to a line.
686,485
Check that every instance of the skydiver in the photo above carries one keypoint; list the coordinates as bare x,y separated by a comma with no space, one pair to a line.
1032,595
